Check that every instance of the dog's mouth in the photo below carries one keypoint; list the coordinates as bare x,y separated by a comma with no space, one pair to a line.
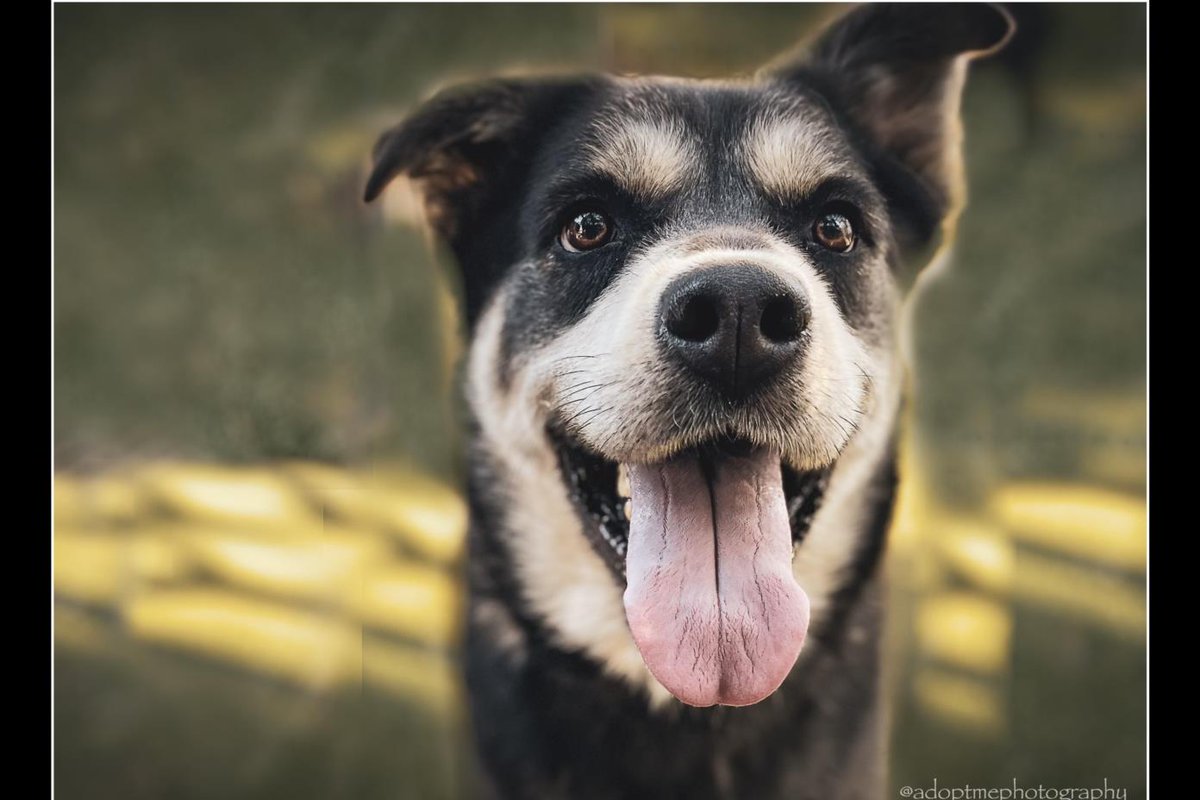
601,493
704,543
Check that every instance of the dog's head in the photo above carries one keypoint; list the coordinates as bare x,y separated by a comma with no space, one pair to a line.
683,295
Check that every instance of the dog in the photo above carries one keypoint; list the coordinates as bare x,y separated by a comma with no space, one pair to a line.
683,380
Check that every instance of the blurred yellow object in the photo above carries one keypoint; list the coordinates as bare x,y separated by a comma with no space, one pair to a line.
435,527
966,631
310,649
910,520
1089,524
113,499
969,703
1117,412
257,497
90,566
68,503
323,564
102,567
429,517
97,501
916,509
1079,591
427,677
330,486
411,600
153,556
977,551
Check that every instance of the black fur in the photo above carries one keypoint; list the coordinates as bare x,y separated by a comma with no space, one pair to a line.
502,166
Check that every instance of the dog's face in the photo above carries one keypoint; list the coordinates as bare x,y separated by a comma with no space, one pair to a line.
683,297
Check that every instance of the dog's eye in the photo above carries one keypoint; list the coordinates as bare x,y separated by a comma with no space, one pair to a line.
586,230
834,231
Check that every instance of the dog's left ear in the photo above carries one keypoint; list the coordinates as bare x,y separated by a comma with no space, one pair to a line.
893,74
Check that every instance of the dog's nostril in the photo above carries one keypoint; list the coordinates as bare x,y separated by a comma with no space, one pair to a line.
695,319
782,320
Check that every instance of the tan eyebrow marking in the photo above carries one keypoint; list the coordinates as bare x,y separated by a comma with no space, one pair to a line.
790,156
647,157
725,237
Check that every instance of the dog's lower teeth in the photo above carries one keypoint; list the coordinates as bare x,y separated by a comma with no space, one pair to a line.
627,509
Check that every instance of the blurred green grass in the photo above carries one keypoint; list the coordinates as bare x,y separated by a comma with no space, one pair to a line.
222,295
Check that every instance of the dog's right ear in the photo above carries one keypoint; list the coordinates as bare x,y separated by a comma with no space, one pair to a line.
468,140
894,74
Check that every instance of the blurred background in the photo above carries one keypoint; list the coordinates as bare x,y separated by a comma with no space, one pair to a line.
258,443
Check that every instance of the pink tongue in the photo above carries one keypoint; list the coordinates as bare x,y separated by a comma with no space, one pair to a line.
711,600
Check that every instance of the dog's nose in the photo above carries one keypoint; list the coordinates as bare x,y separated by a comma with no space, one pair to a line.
736,327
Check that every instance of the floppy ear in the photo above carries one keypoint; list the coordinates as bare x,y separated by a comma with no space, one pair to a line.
894,74
464,139
468,150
